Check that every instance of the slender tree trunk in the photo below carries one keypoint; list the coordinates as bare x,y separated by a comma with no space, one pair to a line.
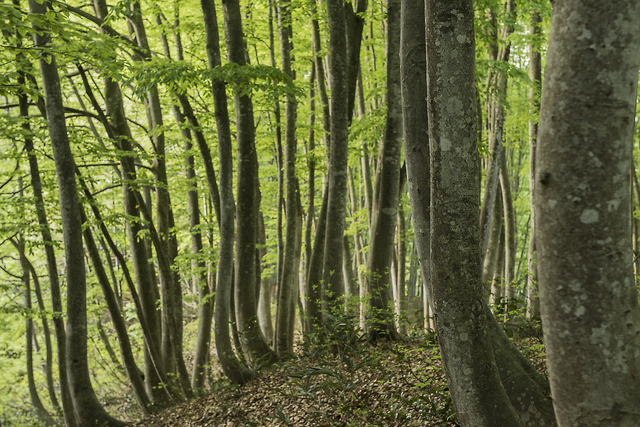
401,303
413,66
52,269
171,296
385,212
253,341
535,74
48,367
311,187
588,297
286,302
40,410
496,103
87,407
338,154
509,235
130,366
237,372
54,286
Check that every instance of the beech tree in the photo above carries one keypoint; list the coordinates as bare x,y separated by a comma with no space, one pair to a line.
87,409
588,297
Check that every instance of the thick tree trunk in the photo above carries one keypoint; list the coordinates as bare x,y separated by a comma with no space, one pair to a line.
589,301
385,211
474,382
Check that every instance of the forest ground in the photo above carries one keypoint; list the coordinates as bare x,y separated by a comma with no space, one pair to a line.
388,384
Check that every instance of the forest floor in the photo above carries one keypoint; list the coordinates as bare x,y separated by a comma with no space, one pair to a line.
388,384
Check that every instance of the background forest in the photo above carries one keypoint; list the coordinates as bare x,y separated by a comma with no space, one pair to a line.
213,186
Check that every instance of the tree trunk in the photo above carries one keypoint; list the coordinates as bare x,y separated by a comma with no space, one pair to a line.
401,303
130,366
589,301
496,102
87,407
246,306
286,302
39,408
52,270
535,74
237,372
166,247
385,204
493,248
413,66
509,235
474,382
338,154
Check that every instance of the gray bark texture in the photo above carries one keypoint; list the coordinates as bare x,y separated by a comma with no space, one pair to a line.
413,71
588,297
474,381
385,207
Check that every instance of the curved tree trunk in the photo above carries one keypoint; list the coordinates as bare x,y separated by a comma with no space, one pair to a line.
87,407
588,297
130,366
40,410
474,381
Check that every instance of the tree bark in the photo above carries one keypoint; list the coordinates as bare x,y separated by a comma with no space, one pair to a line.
87,407
474,382
413,66
286,303
385,204
237,372
588,297
338,154
246,307
39,408
535,75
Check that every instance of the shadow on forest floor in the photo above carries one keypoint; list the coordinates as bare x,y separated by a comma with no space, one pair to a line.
391,384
